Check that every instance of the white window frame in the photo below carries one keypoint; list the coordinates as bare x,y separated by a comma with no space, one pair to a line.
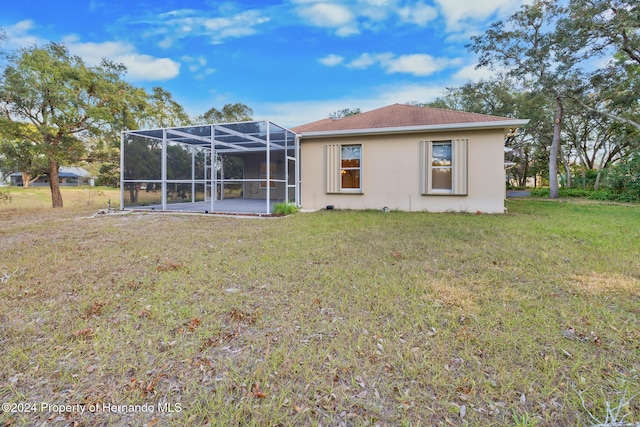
359,169
449,167
459,168
333,164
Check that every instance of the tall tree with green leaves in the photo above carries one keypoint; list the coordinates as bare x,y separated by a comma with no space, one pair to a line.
534,54
65,100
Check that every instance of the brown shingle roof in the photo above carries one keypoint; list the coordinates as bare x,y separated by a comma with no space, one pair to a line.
397,115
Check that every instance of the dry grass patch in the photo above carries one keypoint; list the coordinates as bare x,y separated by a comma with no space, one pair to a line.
602,283
459,297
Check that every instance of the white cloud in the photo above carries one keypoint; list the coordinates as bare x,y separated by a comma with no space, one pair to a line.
165,43
327,15
240,25
419,14
457,11
178,24
374,10
19,37
366,60
349,17
331,60
148,68
140,67
198,66
470,73
416,64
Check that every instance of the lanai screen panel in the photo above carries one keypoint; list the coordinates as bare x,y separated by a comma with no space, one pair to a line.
187,164
142,170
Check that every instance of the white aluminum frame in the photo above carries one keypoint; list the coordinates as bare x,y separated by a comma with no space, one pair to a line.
274,138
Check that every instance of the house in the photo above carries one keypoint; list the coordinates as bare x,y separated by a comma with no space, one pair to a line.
400,157
407,158
67,177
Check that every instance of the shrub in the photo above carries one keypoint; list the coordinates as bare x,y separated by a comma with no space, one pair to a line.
623,178
605,195
285,208
539,192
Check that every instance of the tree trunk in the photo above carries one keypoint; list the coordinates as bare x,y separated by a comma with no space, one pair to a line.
555,148
596,185
600,168
56,196
133,193
26,180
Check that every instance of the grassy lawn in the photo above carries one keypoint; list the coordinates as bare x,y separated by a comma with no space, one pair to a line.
36,198
326,318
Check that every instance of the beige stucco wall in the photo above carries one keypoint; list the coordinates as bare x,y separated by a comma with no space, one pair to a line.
391,173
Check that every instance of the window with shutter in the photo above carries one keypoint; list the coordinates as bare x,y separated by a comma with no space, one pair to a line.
444,167
344,168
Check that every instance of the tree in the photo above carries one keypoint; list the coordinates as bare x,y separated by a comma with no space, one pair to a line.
163,111
230,113
603,28
21,156
496,97
345,112
147,111
535,55
65,100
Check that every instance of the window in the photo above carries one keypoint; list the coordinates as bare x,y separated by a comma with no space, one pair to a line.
441,166
350,167
344,168
444,167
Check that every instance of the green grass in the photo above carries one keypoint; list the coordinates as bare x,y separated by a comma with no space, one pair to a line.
362,318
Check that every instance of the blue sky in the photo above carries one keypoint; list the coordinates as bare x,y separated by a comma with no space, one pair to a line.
292,61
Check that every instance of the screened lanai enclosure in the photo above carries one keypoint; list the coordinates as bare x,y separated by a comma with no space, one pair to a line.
243,167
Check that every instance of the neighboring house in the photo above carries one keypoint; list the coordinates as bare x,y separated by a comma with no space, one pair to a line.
67,177
407,158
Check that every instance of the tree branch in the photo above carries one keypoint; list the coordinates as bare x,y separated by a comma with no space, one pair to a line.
606,114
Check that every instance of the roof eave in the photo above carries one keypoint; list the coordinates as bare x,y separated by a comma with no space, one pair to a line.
501,124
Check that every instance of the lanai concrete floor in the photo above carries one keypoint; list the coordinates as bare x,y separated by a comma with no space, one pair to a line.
237,206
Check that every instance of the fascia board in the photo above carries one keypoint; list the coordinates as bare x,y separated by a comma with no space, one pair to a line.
413,129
